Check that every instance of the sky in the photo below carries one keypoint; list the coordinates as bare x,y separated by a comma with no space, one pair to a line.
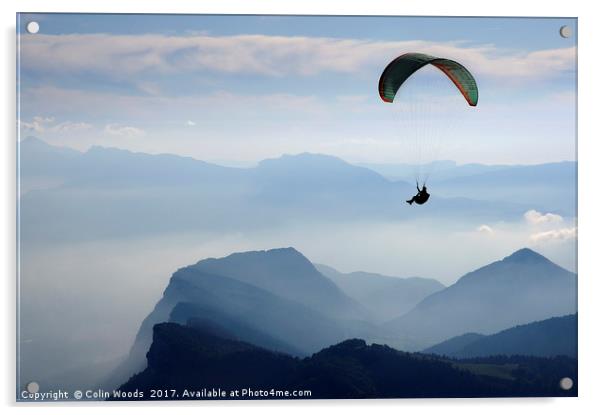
239,89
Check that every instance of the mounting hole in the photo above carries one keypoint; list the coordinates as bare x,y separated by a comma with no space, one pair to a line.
33,27
565,31
33,387
566,383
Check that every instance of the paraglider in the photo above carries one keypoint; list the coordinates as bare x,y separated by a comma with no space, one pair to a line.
421,197
394,77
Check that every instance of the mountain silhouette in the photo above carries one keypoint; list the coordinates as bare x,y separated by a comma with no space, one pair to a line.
550,185
384,296
230,326
275,299
170,193
444,169
287,273
552,337
193,358
519,289
315,176
44,166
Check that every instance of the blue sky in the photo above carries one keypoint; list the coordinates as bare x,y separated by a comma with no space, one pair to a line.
244,88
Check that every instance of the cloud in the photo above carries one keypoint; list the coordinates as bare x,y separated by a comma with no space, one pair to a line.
275,56
534,217
124,130
190,123
555,235
485,229
71,126
110,105
38,124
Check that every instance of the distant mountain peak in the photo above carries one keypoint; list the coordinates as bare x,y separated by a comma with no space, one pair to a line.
284,272
303,159
289,252
320,170
306,156
284,250
525,286
285,261
525,255
35,144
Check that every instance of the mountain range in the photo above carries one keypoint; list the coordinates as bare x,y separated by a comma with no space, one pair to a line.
551,184
522,288
275,298
555,336
278,300
441,169
386,297
286,273
130,193
195,357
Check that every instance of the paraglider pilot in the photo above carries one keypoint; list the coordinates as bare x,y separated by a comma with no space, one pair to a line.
421,197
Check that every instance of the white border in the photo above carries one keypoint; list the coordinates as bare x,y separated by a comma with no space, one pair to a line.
589,195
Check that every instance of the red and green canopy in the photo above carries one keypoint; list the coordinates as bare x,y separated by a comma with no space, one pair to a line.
402,67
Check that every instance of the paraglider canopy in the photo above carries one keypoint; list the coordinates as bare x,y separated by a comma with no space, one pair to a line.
402,67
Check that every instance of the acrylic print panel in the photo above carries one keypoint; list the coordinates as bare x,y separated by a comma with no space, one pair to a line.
296,207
